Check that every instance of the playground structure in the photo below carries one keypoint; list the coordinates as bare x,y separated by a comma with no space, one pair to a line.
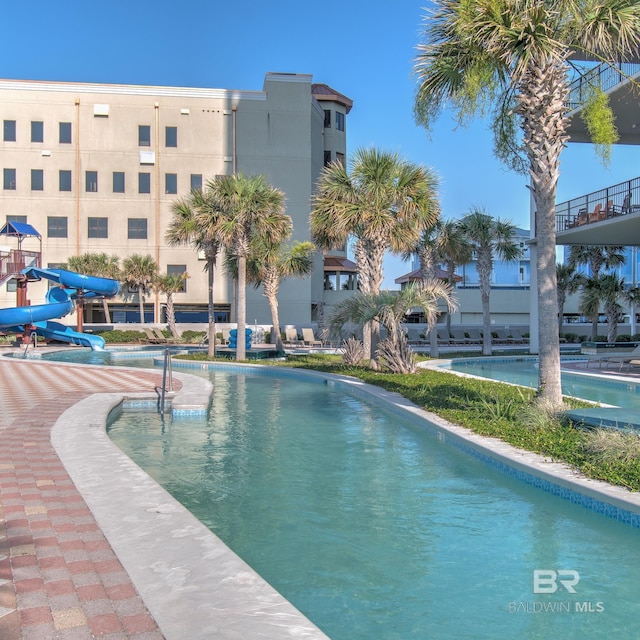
74,288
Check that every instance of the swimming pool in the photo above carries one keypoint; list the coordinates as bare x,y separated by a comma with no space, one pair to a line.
374,528
524,371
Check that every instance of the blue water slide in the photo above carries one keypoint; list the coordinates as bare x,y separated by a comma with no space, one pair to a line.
59,303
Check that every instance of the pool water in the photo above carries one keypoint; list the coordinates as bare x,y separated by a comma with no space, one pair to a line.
524,371
374,528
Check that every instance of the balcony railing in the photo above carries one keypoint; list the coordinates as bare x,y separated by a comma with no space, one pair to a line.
603,76
611,202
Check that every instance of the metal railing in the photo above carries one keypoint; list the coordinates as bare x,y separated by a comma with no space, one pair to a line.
617,200
167,374
604,76
12,262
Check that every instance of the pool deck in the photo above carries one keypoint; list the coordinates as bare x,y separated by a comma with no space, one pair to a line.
90,546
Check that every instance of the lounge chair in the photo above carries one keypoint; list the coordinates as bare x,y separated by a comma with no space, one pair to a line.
413,337
309,338
502,337
160,337
152,338
621,359
475,336
291,338
458,336
517,337
443,337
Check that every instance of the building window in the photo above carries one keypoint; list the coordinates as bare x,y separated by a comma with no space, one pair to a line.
171,136
171,183
9,179
144,183
37,131
196,181
9,130
327,118
137,228
327,158
178,270
98,228
65,180
57,226
340,158
339,121
91,181
37,180
144,135
14,218
118,182
64,131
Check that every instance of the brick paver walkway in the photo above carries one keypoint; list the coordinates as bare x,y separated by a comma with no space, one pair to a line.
59,577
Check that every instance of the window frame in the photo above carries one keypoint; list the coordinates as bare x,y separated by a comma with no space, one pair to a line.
340,121
98,227
9,126
37,131
171,137
117,175
147,177
65,173
195,177
6,180
65,133
171,183
37,178
55,227
91,181
144,140
136,232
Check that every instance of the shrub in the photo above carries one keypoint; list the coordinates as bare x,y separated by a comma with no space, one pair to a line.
624,337
193,336
120,336
352,352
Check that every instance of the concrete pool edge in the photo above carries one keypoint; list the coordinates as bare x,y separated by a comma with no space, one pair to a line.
191,582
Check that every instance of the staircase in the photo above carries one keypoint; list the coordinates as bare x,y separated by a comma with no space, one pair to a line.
13,261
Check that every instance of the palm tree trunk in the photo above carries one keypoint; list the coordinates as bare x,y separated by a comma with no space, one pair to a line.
484,275
211,351
171,317
141,303
543,95
105,307
275,320
241,352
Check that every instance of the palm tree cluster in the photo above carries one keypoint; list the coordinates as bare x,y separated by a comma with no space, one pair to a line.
513,60
139,272
244,216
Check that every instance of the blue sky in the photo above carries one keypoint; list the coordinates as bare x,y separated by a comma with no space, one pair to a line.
362,49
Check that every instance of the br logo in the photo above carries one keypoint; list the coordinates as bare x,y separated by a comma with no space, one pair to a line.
546,580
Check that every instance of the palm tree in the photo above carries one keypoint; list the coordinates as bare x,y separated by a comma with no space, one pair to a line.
194,221
489,237
596,258
139,273
384,203
267,265
605,290
454,249
100,265
247,207
569,281
389,309
428,252
170,284
514,59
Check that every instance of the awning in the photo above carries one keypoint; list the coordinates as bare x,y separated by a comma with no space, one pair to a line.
415,275
19,230
338,263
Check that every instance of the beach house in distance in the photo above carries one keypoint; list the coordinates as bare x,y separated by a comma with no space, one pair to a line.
96,168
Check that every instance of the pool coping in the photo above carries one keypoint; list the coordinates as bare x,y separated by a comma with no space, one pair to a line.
191,582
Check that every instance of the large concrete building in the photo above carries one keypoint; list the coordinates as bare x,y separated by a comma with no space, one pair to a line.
96,168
